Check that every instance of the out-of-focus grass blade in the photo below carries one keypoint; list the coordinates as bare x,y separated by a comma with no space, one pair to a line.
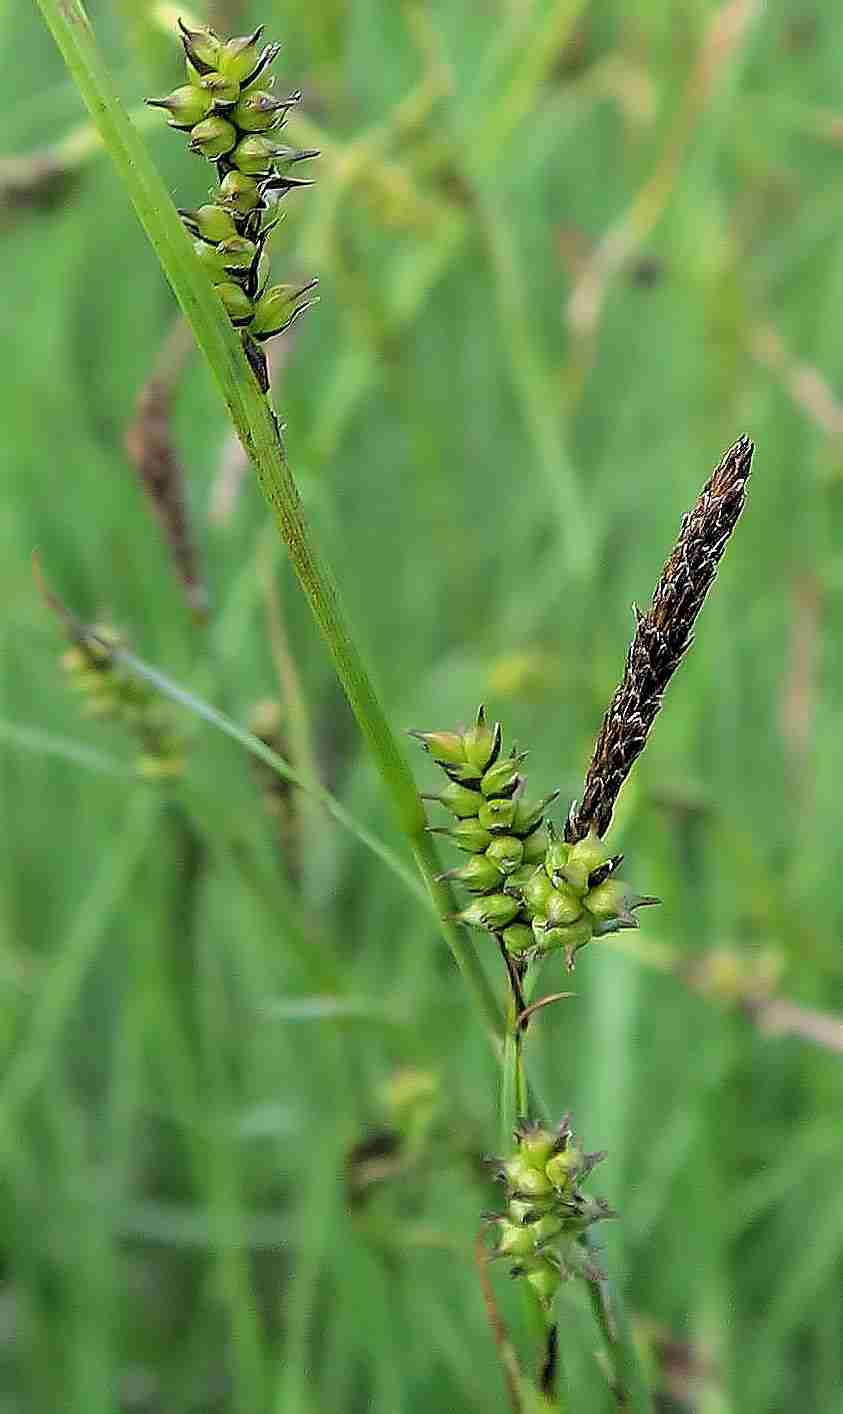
59,988
330,1009
245,738
45,743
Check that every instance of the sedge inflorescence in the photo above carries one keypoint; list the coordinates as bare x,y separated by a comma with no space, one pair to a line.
109,693
534,890
546,1211
233,116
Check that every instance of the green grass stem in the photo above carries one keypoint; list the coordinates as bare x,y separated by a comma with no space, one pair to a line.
260,434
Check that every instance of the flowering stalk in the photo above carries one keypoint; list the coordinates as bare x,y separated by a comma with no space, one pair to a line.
540,891
231,113
259,431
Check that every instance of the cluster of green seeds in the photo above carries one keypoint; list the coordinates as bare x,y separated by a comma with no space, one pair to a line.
109,694
232,115
533,890
546,1212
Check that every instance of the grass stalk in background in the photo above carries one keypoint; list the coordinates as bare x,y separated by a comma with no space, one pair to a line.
260,434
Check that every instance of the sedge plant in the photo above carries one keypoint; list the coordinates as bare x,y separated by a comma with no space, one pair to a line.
538,889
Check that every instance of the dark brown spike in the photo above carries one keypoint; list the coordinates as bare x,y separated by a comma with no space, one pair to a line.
662,637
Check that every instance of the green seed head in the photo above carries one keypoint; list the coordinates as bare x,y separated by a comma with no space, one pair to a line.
187,106
562,1169
515,1241
518,938
546,1229
210,222
238,193
535,847
461,801
222,91
239,57
545,1278
210,258
479,875
238,306
557,851
496,815
503,777
237,253
535,1145
492,912
529,813
525,1180
570,937
516,882
258,111
482,742
277,307
583,858
446,748
537,891
575,874
506,851
202,47
257,156
254,156
213,137
528,1210
611,899
562,906
546,1212
468,835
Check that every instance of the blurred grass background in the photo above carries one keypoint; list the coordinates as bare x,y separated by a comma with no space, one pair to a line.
568,252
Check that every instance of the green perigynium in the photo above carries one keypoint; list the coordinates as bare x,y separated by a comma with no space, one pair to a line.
231,115
535,891
546,1211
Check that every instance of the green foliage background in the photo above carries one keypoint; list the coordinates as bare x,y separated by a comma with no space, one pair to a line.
494,490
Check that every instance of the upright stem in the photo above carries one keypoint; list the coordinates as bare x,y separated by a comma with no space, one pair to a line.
259,432
514,1106
629,1387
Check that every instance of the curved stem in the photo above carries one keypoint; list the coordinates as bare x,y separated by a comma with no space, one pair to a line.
258,430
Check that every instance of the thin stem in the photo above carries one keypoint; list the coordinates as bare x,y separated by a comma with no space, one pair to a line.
514,1106
258,430
629,1387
